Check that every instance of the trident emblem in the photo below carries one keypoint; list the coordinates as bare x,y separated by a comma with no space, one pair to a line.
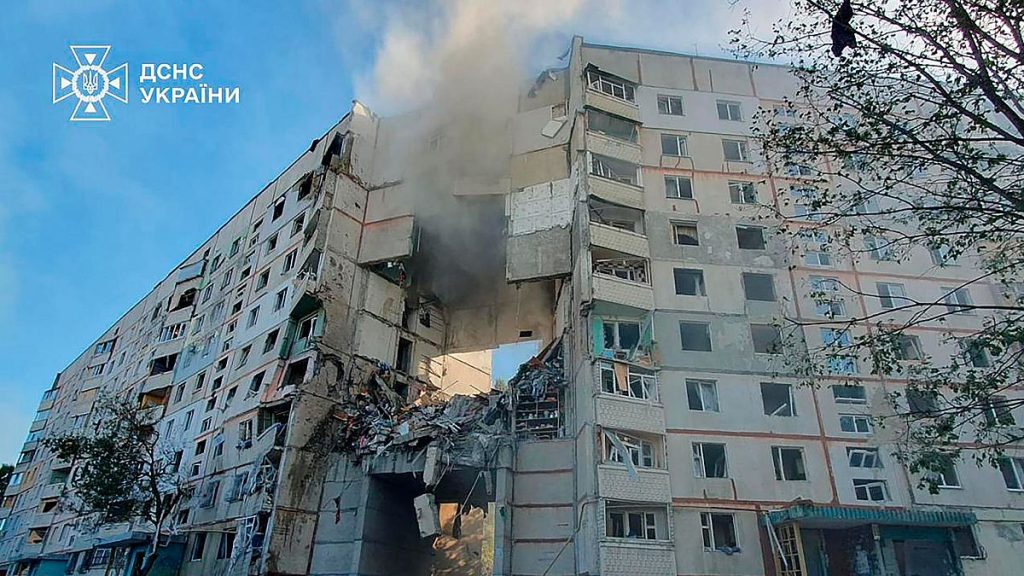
90,83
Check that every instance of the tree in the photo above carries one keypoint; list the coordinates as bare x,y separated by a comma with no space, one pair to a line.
912,143
5,476
123,472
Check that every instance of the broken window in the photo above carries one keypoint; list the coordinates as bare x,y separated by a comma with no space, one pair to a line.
198,546
640,452
735,150
173,332
307,328
280,298
849,394
965,544
616,216
614,169
718,530
297,225
163,364
695,336
629,381
403,357
295,374
236,245
257,381
729,110
767,338
922,401
798,170
609,125
642,383
879,248
674,145
631,269
975,354
777,399
226,543
940,255
270,341
789,463
243,356
759,287
670,105
702,395
870,490
254,315
678,187
305,187
946,476
908,347
685,234
621,335
689,282
187,298
750,238
262,280
636,524
610,85
855,423
278,209
742,192
709,460
863,458
103,348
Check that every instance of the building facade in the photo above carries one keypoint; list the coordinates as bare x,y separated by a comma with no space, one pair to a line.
631,232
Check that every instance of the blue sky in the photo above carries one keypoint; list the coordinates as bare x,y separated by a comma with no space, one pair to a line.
93,215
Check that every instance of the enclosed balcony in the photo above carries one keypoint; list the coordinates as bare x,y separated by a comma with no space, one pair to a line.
618,228
611,94
629,398
621,279
615,181
612,136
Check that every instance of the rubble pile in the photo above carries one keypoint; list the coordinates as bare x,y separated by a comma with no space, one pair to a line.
538,390
375,418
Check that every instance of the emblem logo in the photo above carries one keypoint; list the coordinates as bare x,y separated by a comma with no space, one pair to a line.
90,83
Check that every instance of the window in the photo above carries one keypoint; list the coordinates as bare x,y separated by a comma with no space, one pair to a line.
163,364
610,85
198,546
789,463
958,300
939,254
297,224
685,234
719,531
824,291
630,524
879,248
849,394
891,295
742,192
817,259
205,425
103,348
612,126
975,353
838,340
621,335
855,423
262,280
243,356
908,347
217,383
307,329
702,395
689,282
945,476
798,170
758,287
640,452
278,209
783,111
673,145
188,421
209,494
245,430
226,279
709,460
870,490
670,105
100,557
729,110
254,315
257,382
631,382
998,411
777,399
695,336
750,238
179,392
614,169
1012,470
271,244
922,401
767,338
863,458
207,293
270,341
965,544
289,260
735,150
279,299
678,187
224,547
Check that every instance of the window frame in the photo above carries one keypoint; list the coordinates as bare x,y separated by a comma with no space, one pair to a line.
675,179
700,461
695,275
668,100
730,106
699,386
707,332
707,528
780,468
680,143
679,225
742,150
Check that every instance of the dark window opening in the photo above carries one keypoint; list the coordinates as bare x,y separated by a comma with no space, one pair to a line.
296,372
187,299
403,359
163,364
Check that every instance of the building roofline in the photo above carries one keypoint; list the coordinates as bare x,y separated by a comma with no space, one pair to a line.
585,44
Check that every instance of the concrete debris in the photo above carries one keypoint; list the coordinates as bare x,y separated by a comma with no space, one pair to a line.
426,515
538,389
377,419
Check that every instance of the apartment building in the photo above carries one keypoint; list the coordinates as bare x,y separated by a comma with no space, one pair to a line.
631,232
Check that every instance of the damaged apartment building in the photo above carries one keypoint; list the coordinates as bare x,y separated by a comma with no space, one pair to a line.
321,368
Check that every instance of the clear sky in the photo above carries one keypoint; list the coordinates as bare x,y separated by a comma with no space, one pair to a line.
93,215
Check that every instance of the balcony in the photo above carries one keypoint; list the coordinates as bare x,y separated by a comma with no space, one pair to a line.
605,145
51,490
157,382
37,425
619,239
651,485
629,557
622,292
614,411
611,104
616,192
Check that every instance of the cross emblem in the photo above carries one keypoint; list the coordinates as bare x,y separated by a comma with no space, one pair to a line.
90,83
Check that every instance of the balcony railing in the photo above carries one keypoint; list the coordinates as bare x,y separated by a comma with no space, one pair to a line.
637,557
650,484
619,291
618,239
611,104
605,145
616,192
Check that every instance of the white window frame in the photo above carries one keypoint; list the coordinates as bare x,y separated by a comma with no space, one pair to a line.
865,487
681,145
1016,467
780,469
647,519
733,110
858,421
859,457
675,185
839,399
742,150
707,520
641,452
705,389
699,463
742,192
607,84
894,295
956,299
669,109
